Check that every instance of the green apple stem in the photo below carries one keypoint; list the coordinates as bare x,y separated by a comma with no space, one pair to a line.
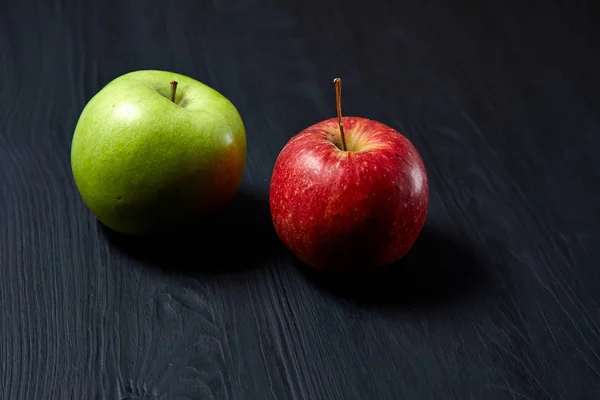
338,104
173,90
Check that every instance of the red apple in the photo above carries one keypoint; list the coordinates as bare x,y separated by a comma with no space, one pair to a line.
348,193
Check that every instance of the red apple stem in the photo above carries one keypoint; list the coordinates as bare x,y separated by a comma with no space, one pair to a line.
338,103
173,90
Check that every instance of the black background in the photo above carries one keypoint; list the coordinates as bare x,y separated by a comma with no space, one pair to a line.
499,298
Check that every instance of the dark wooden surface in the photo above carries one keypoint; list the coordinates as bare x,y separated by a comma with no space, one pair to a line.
499,299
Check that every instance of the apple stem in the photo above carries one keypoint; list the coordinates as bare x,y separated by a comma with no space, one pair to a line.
338,103
173,90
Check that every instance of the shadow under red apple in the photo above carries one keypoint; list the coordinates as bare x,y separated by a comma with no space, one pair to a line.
440,269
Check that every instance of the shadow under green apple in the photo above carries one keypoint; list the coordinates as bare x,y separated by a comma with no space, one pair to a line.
238,238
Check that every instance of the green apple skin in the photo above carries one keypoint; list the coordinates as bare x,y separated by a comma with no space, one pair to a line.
144,164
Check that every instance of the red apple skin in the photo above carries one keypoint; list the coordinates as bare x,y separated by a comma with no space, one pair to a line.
342,210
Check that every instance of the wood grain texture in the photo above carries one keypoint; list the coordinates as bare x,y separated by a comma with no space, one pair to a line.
499,298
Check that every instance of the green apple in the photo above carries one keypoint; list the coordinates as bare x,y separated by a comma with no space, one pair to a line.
154,149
